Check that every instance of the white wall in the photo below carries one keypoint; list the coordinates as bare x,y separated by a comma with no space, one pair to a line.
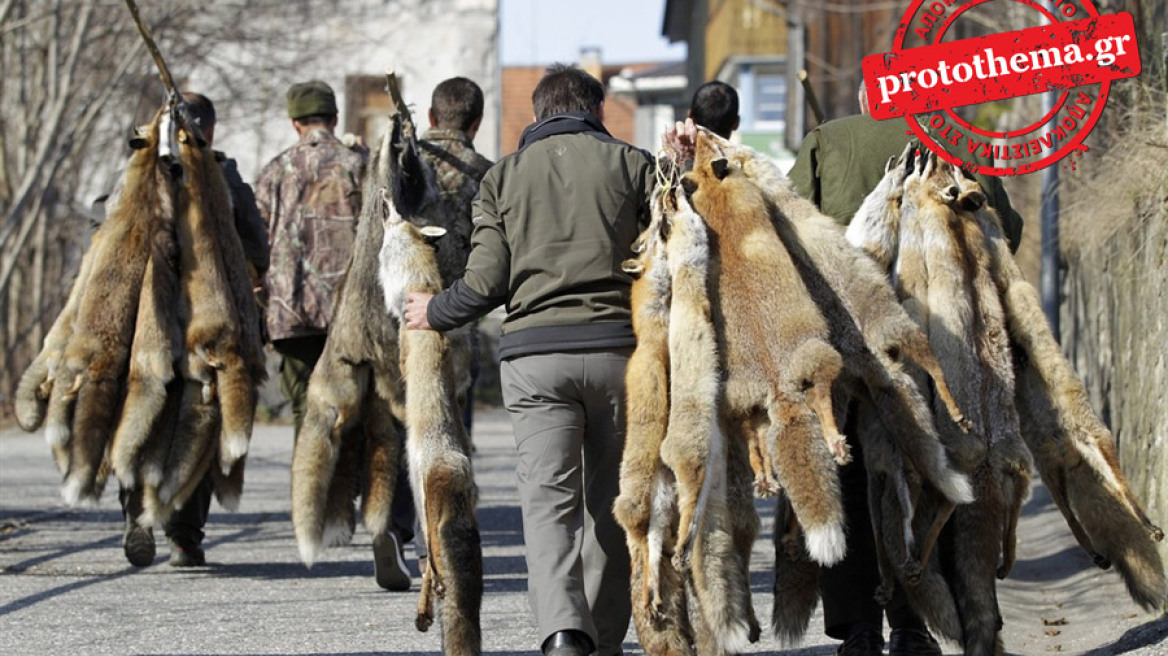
424,41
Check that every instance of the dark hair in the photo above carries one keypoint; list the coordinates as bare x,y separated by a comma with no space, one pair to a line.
715,107
565,88
200,110
457,103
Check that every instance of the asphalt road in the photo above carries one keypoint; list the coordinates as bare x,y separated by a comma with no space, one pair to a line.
65,587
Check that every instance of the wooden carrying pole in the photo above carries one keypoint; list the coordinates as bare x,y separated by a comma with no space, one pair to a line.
163,71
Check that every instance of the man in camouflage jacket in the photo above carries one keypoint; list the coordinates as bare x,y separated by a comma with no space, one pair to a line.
309,196
456,111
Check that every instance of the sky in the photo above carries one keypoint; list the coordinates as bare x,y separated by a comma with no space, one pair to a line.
545,31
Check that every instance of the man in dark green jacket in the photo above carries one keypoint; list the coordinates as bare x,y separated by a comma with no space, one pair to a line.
838,164
553,222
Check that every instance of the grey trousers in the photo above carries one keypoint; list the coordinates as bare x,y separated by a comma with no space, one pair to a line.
567,410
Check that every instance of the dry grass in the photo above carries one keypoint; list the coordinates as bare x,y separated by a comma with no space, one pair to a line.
1123,182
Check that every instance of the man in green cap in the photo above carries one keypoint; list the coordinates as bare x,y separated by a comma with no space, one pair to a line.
309,197
838,165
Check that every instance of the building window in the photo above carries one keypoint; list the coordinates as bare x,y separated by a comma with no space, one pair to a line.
367,106
770,101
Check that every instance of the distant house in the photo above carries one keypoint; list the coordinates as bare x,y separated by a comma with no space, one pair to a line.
759,46
745,44
353,45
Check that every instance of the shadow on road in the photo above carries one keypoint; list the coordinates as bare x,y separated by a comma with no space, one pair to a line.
1144,635
33,599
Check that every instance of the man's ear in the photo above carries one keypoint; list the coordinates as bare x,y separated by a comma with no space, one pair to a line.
433,121
600,111
474,128
735,126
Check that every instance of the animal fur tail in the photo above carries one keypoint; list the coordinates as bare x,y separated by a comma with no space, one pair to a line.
1100,520
384,436
796,578
36,385
810,478
335,390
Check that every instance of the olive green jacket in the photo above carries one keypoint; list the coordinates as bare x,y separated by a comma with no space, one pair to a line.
841,161
553,222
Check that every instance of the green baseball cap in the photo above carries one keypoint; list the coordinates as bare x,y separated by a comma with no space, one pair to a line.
311,99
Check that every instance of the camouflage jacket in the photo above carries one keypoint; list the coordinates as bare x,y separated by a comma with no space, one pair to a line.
310,197
458,170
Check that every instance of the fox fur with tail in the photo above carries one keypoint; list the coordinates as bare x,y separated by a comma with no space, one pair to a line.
1074,451
695,447
437,445
646,507
358,405
773,345
941,251
86,390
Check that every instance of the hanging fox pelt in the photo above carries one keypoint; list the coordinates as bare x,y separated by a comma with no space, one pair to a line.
878,340
359,402
81,368
437,446
1074,450
1033,395
646,507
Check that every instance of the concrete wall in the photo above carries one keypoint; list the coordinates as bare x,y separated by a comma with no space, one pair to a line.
1115,330
424,41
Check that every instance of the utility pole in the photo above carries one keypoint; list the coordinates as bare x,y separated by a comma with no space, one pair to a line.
1049,282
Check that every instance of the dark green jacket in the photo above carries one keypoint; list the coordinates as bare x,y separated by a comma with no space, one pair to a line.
841,161
553,222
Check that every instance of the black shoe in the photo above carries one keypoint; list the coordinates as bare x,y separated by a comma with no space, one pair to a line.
912,642
567,643
138,545
389,563
186,554
862,643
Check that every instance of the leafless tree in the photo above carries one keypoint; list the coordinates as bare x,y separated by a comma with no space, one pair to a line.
74,77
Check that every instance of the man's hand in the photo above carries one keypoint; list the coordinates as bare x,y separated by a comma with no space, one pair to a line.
416,306
680,139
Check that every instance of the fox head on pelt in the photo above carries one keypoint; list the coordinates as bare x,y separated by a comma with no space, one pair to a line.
933,180
407,259
717,187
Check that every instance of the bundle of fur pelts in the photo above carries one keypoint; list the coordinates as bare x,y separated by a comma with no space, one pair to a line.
376,383
878,342
930,228
751,316
163,290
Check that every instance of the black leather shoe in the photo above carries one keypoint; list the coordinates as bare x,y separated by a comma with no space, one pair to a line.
862,643
138,544
567,643
912,642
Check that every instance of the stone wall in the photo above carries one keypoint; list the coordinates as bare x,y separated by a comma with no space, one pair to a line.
1115,330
